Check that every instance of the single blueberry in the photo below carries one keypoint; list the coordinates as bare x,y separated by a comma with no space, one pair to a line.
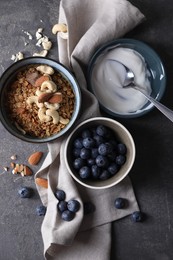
88,142
60,194
78,163
73,205
98,139
105,149
41,210
120,159
62,205
25,192
88,208
95,171
90,162
112,156
85,153
113,168
119,203
137,216
78,143
102,130
94,152
67,215
86,133
102,161
76,152
121,148
104,175
85,172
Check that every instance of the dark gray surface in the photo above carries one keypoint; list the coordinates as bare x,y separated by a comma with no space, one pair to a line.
152,174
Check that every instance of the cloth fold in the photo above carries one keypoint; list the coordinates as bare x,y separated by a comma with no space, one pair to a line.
91,23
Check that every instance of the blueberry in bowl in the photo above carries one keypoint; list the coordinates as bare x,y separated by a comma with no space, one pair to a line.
99,153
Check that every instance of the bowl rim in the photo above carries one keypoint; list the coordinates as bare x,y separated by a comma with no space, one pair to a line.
100,118
136,44
13,68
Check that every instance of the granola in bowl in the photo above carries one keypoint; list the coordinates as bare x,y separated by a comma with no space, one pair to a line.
40,101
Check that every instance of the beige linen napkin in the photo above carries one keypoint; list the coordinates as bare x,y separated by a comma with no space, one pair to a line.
91,23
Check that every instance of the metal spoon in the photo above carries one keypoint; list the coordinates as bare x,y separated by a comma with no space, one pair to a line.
130,83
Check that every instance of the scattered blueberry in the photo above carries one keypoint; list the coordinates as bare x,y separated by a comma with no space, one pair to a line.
67,215
60,195
85,172
119,203
25,192
137,216
41,210
62,205
88,208
73,205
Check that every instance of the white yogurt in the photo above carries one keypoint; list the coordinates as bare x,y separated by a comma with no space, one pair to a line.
108,78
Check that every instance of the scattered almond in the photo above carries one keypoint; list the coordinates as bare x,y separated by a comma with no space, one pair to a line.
40,80
56,98
35,158
42,182
26,171
44,97
12,165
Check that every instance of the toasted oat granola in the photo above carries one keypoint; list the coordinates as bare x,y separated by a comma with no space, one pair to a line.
25,115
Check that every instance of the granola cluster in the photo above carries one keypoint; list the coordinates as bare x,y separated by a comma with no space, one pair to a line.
25,115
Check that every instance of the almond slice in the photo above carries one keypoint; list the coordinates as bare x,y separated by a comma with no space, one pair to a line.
35,158
40,80
42,182
26,171
56,98
44,97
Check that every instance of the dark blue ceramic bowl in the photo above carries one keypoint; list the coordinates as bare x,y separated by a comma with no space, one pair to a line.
10,74
154,65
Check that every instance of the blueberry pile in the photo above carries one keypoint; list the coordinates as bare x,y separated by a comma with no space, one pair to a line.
97,154
67,209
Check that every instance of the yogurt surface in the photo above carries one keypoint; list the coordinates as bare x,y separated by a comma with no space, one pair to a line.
108,78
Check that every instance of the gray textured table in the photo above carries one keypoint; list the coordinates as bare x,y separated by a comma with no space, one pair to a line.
152,174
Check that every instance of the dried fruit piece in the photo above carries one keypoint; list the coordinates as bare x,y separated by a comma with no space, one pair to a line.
42,182
35,158
32,77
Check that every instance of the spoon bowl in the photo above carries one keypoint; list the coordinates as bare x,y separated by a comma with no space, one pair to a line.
130,83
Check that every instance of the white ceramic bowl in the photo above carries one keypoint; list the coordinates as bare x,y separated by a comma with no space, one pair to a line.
123,136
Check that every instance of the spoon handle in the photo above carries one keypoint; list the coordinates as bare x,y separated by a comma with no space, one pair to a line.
163,109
